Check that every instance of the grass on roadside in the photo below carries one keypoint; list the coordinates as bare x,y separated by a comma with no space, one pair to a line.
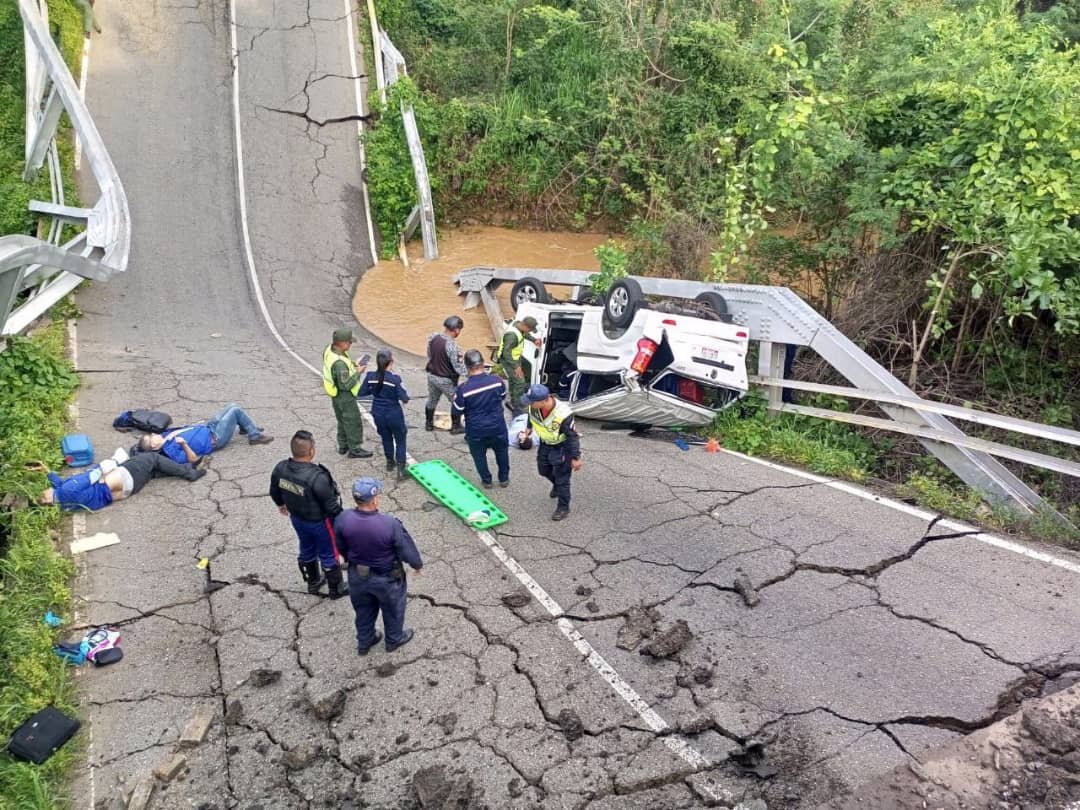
36,384
840,451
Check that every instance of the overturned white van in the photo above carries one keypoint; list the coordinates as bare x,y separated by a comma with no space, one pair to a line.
624,362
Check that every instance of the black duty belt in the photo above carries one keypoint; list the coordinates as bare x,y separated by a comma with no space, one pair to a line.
364,571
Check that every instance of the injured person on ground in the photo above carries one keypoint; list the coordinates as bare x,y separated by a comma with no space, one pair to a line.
113,479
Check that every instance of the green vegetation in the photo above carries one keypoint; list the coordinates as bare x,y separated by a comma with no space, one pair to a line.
36,384
908,164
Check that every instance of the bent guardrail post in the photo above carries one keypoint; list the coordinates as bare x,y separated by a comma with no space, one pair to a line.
51,270
775,316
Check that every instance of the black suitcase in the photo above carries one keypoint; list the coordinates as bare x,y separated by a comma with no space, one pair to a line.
38,738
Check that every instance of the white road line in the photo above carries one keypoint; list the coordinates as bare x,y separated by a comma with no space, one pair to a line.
915,511
654,721
82,94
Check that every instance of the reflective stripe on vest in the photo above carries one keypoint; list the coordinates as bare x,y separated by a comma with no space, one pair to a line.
547,430
515,352
329,357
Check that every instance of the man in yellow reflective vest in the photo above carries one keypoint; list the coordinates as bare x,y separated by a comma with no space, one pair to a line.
341,381
509,360
559,454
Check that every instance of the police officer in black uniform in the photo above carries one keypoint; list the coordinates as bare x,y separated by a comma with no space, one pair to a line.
307,494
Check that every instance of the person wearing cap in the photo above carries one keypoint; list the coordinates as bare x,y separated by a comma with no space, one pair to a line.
559,454
480,399
377,547
341,381
306,493
509,359
445,366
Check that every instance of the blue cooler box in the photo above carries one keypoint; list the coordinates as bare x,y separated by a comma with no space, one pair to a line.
78,450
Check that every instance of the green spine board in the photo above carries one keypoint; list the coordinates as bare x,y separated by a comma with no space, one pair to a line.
454,492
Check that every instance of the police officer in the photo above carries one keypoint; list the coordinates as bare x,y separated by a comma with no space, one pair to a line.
559,454
307,494
376,545
480,399
341,381
509,360
444,369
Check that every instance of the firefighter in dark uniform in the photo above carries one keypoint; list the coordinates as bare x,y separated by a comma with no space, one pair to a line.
377,546
307,494
559,454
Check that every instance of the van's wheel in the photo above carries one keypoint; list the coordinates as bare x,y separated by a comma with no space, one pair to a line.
714,301
622,302
529,291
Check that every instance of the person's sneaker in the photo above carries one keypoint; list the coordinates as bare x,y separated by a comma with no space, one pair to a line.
504,484
202,462
488,485
554,493
560,514
361,453
366,650
391,465
262,438
199,473
402,472
342,451
406,637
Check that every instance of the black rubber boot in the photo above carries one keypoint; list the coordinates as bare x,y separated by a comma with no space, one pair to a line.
429,418
455,424
309,570
338,588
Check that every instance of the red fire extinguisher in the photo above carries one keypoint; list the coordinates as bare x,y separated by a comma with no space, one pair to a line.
645,350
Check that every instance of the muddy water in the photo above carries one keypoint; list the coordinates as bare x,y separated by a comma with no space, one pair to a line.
403,306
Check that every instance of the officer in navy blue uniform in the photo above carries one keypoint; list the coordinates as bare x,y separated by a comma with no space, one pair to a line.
376,545
388,393
480,399
307,494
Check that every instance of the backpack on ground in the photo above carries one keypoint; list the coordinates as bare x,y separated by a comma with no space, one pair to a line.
143,420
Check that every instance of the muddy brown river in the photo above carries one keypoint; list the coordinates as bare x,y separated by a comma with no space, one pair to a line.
403,306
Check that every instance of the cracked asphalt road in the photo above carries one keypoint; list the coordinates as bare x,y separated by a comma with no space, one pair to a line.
878,635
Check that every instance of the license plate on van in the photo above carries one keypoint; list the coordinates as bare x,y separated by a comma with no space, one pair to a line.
707,353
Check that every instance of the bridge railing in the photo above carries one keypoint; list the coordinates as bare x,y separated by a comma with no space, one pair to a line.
776,318
36,273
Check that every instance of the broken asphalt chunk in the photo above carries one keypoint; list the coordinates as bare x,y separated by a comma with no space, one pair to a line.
435,790
167,770
264,677
571,725
752,759
326,703
639,624
1052,734
234,713
746,590
668,642
197,727
140,797
517,598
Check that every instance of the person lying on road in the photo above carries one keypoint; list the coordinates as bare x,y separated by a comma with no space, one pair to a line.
112,480
192,442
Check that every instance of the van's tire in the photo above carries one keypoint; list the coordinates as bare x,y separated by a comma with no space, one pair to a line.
528,291
624,298
715,301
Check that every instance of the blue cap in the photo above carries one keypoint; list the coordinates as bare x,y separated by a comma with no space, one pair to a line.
536,393
366,488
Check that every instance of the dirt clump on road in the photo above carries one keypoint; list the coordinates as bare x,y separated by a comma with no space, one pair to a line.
571,724
639,624
1029,761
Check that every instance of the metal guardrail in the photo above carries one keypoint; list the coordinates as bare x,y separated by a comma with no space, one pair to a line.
393,67
776,318
37,273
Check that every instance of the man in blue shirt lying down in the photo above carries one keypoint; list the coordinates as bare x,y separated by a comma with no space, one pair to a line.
189,444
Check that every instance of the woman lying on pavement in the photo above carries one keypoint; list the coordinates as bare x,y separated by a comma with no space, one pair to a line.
113,480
